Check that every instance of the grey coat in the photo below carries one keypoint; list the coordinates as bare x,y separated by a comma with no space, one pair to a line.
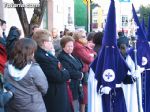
28,91
57,46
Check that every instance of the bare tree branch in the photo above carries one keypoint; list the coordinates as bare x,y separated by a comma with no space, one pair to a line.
36,17
22,16
38,13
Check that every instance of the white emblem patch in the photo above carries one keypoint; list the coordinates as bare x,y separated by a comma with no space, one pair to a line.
109,75
144,60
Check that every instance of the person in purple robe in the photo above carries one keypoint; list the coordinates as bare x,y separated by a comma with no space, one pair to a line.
148,31
143,60
110,68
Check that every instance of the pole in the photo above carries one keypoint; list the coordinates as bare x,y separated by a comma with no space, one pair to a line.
90,16
87,15
137,79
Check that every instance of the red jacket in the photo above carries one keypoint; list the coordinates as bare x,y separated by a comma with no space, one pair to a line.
83,53
3,58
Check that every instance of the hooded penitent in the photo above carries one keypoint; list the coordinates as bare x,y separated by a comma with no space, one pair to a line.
109,67
148,31
143,60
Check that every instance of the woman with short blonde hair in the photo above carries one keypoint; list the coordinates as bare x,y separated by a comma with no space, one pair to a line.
54,71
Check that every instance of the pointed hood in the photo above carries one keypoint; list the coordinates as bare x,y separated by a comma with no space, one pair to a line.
110,27
148,31
143,49
140,33
109,66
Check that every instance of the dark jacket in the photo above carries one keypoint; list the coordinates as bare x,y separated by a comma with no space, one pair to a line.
74,66
13,36
2,41
56,99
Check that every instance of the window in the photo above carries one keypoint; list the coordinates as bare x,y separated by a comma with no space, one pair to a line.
124,21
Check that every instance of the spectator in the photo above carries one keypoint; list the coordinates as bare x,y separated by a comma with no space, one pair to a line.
13,36
34,28
97,40
65,31
90,43
5,95
56,99
56,41
74,66
61,34
84,53
2,40
27,78
3,25
3,54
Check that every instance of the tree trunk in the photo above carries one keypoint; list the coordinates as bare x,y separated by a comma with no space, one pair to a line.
36,17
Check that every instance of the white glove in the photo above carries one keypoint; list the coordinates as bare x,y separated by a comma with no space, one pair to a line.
141,69
105,90
137,73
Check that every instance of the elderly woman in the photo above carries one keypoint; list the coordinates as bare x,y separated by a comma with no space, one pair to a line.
74,66
86,54
56,99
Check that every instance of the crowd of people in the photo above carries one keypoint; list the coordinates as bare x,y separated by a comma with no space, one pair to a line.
48,72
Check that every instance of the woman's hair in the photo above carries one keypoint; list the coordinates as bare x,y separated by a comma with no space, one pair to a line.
90,36
97,39
69,33
40,36
65,40
23,53
78,34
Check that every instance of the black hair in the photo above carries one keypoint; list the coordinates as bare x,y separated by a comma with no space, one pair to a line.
97,39
2,22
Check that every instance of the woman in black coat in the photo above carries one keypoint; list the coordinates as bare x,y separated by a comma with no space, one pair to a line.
56,99
74,66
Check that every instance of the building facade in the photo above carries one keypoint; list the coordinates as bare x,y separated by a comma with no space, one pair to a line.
1,9
58,14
